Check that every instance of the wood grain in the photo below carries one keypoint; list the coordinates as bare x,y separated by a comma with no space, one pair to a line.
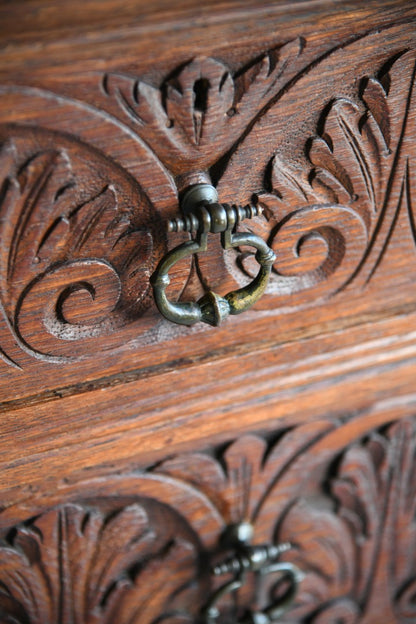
128,444
372,379
110,542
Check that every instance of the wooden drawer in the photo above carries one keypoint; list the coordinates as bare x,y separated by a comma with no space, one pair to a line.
130,439
136,547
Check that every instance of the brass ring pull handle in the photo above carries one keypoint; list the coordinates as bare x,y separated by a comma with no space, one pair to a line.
203,216
260,560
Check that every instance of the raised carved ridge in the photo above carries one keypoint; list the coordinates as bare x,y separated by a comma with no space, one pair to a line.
331,216
76,564
359,544
139,553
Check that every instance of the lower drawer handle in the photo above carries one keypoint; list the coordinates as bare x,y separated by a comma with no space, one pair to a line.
204,216
260,560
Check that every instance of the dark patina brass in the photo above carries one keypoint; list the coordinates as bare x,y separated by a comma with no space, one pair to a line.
203,215
261,560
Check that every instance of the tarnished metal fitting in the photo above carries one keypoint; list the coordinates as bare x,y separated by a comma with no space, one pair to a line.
260,560
202,193
251,559
214,218
202,214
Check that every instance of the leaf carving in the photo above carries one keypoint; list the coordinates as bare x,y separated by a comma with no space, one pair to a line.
79,565
240,482
360,547
202,110
349,514
74,258
357,167
356,149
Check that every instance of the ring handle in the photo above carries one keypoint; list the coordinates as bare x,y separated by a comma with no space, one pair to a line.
212,308
261,560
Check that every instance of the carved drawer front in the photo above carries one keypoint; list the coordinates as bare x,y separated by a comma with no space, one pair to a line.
319,133
138,547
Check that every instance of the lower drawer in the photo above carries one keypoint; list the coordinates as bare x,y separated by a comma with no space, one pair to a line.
139,547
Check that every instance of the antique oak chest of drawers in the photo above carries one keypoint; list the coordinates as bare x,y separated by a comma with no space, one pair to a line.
257,468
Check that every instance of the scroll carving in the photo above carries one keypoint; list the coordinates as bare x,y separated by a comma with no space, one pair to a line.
79,245
332,221
141,552
76,245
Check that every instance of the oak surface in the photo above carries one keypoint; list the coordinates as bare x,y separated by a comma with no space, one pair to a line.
124,438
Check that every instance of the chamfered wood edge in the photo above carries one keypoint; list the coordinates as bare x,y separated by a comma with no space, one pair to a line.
260,341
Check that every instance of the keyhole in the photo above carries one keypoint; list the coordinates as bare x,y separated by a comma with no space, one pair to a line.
201,88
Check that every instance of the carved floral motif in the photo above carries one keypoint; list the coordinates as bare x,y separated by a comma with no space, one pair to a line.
76,564
80,243
359,546
332,222
202,110
350,515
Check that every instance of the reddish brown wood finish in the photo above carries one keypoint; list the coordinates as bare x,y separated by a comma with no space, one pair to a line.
126,439
134,547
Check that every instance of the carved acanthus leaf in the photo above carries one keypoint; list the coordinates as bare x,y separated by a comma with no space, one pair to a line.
332,220
241,480
77,564
74,258
357,147
360,546
350,515
202,110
